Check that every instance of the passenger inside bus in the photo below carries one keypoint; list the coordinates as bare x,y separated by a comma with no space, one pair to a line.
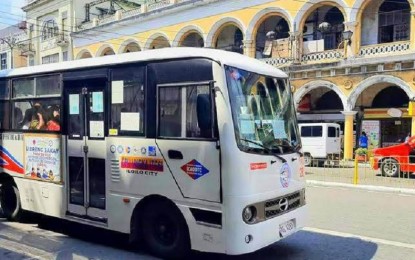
40,118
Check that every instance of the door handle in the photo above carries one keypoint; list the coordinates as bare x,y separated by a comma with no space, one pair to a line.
174,154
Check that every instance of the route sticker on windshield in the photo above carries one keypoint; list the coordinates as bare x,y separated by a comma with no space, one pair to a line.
194,169
258,166
285,175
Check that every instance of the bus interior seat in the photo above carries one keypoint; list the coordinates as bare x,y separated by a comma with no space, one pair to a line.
204,115
170,125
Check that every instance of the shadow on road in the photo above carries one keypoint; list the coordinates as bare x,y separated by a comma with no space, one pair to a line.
310,246
302,245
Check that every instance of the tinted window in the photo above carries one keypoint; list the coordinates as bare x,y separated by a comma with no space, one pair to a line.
4,89
331,131
4,115
311,131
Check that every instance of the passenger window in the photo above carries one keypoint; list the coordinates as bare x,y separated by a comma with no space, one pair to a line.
42,114
186,112
4,115
331,131
306,131
127,101
311,131
31,111
4,105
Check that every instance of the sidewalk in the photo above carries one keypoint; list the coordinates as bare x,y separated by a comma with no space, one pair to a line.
361,187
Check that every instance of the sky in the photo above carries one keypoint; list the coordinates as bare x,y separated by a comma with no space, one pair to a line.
11,12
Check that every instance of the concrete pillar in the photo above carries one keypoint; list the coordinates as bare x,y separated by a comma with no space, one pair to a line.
348,134
412,32
413,126
248,48
352,49
296,49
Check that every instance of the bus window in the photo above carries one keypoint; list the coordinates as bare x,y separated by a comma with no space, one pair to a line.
127,101
185,112
4,105
31,112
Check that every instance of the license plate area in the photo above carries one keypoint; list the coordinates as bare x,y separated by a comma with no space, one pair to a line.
287,228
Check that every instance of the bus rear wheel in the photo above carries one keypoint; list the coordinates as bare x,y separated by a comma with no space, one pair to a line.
165,231
10,202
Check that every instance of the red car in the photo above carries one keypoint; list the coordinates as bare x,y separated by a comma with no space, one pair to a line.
394,160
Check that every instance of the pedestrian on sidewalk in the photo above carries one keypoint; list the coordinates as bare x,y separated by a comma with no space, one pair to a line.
363,140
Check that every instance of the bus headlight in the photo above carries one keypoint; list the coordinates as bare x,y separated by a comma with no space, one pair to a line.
249,214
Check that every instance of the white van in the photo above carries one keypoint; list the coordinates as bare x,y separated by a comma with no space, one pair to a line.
321,142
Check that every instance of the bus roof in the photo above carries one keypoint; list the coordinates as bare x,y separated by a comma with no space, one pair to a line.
224,57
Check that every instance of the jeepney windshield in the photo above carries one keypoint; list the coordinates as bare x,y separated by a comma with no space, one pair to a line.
263,112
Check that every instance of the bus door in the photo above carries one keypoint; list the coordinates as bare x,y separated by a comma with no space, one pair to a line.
187,139
86,147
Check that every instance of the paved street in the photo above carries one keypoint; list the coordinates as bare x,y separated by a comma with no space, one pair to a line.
344,224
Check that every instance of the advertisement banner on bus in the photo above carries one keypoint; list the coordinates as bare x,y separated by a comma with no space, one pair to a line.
42,157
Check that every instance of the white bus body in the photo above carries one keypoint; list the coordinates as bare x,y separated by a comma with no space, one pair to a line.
321,142
152,141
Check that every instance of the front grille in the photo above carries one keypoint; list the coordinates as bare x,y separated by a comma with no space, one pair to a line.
273,209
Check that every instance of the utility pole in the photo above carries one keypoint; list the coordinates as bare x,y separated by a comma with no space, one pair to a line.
11,42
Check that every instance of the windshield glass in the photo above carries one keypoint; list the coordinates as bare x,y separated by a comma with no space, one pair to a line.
263,112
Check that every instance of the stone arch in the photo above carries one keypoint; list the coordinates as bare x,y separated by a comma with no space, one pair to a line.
300,93
213,33
358,90
185,31
83,53
359,5
261,16
309,7
126,43
155,36
103,48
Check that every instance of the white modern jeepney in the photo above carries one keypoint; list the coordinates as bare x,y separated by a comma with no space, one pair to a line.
181,148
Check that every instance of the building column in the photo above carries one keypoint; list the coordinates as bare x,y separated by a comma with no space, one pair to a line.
348,134
413,125
412,32
352,49
248,48
296,48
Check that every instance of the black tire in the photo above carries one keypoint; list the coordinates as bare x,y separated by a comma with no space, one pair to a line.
10,202
390,168
165,231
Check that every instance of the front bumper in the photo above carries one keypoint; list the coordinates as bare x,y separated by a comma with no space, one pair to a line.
263,233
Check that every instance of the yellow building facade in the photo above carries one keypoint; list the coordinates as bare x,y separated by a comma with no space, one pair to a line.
350,61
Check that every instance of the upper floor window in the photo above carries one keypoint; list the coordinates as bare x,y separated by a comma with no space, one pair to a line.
394,21
54,58
3,61
50,29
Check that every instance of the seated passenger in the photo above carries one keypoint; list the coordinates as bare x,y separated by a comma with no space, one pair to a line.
53,115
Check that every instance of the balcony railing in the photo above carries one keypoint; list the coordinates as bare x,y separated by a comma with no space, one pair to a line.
149,6
276,61
323,56
384,49
156,4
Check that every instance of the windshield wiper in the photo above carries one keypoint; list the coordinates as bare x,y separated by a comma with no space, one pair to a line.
266,149
295,148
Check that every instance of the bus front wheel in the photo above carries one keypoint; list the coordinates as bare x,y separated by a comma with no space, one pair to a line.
10,202
165,230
